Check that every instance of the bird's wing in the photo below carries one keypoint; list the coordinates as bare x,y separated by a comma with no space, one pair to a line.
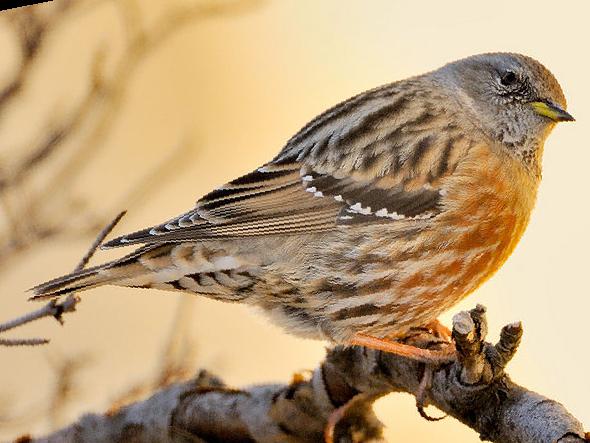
371,159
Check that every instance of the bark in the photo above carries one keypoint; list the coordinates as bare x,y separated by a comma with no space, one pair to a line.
474,389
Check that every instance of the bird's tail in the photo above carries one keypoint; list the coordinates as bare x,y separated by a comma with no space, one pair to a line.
107,273
76,281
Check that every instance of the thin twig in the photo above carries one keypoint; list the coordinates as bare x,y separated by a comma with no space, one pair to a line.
54,308
32,28
32,24
99,239
46,311
23,341
179,351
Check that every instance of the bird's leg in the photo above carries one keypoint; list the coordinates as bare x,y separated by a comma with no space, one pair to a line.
428,356
439,330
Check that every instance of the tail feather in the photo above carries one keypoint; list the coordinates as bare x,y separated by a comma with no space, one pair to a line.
76,281
91,277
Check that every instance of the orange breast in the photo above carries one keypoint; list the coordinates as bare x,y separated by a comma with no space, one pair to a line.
488,204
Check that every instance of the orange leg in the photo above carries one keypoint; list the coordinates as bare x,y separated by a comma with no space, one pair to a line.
422,355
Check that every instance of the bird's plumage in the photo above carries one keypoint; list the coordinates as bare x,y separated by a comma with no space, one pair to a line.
377,216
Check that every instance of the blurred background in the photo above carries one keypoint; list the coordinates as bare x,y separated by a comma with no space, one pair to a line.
146,105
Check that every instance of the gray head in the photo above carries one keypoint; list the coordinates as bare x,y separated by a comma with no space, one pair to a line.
513,98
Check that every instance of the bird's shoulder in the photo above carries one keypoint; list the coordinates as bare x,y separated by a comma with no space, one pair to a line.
402,128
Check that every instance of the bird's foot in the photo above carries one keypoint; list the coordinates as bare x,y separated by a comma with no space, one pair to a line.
422,394
421,339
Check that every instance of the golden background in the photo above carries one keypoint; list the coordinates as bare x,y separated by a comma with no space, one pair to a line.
234,88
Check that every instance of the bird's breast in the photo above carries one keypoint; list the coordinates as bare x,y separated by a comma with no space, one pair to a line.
486,209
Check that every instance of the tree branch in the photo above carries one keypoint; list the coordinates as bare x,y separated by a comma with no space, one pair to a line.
474,389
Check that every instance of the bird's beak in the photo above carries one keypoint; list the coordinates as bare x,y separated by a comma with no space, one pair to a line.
552,111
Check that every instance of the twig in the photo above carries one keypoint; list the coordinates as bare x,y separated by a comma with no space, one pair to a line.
31,25
99,239
179,352
51,309
23,341
54,308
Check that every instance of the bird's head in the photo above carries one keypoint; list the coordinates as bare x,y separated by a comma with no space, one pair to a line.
513,98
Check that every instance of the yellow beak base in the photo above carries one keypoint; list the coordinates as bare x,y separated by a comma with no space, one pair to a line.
551,111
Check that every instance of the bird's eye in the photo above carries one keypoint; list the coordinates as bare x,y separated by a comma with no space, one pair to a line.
508,78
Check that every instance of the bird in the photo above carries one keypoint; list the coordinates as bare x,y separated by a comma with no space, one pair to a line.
376,217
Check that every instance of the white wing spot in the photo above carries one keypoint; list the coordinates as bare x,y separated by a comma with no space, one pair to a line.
358,208
345,217
307,178
318,194
154,231
312,189
338,198
394,215
423,216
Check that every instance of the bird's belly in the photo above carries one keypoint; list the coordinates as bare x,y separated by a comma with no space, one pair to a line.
449,274
430,280
386,296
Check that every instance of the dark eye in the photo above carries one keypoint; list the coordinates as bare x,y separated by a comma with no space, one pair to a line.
508,78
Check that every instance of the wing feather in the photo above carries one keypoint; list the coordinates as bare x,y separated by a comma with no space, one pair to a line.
373,159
